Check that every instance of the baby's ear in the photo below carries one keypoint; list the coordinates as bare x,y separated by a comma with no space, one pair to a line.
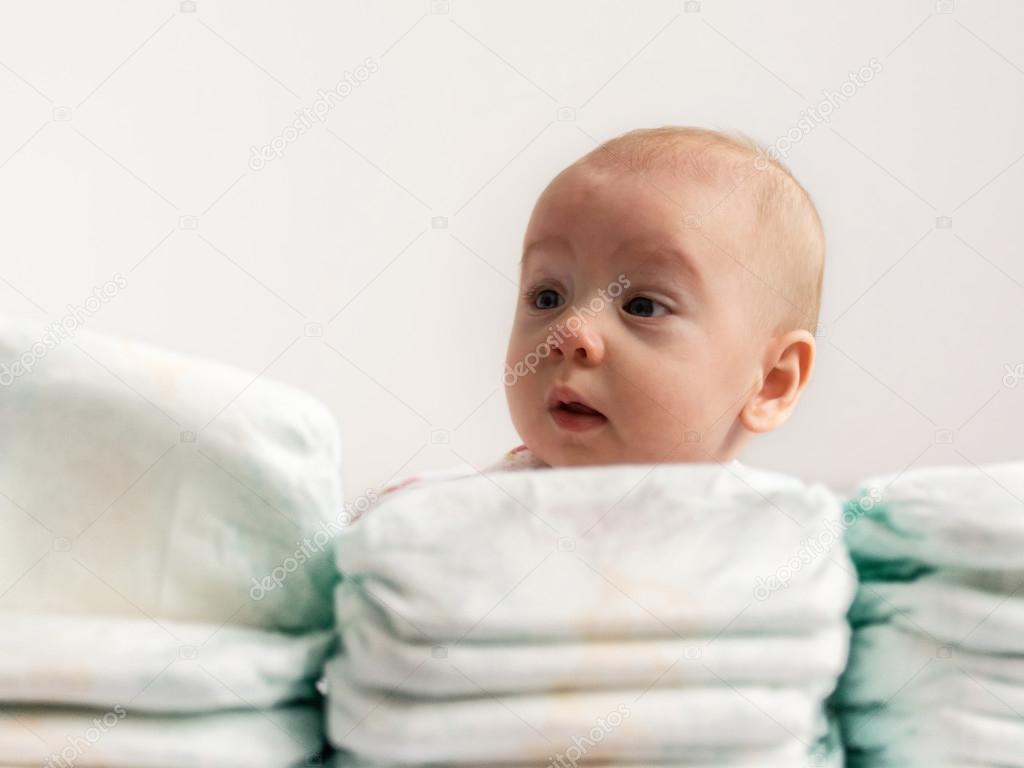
789,367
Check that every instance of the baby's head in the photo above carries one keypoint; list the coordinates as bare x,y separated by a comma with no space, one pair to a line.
670,282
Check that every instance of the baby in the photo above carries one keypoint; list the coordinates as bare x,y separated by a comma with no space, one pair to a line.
670,287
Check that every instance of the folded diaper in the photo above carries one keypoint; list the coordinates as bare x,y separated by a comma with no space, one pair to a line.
374,657
145,665
164,559
936,671
891,666
939,738
907,701
114,738
140,482
697,611
618,551
695,723
942,607
958,517
793,755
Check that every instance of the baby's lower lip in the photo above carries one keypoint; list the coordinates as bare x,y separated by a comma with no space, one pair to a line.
577,422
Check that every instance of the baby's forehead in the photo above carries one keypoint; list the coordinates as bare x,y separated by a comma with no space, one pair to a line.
630,218
697,160
696,195
696,181
582,185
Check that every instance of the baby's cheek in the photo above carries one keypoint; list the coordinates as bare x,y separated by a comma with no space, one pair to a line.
669,400
526,406
514,394
650,426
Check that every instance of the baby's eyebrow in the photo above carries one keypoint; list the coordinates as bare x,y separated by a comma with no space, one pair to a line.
538,245
670,258
639,255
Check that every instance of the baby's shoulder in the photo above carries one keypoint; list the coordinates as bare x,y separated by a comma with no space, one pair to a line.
518,458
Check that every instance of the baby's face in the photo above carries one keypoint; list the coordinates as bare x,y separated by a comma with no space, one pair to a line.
636,308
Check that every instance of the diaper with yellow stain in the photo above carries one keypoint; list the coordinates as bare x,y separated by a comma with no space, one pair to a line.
630,614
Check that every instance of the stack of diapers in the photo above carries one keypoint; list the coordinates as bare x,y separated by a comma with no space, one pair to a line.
685,615
936,673
166,586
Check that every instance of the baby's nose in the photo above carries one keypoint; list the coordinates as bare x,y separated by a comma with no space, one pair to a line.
580,339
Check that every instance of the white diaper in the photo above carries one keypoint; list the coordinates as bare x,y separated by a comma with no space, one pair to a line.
501,618
658,724
936,671
140,482
625,550
57,738
166,525
161,666
793,755
958,517
377,657
941,606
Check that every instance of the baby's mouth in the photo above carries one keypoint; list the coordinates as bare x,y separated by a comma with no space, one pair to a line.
575,407
576,416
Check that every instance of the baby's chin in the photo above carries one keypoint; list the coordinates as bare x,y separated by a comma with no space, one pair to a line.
562,455
578,460
576,455
559,444
585,456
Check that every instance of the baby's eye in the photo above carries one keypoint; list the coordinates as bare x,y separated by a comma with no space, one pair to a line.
547,299
645,307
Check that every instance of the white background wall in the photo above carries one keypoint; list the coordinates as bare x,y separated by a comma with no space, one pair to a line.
125,146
